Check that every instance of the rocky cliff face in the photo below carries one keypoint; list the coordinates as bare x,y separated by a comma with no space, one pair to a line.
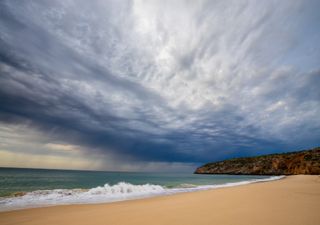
293,163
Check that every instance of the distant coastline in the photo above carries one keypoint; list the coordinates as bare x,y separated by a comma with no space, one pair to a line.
290,163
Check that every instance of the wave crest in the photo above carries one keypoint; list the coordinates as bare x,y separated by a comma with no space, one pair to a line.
125,188
107,193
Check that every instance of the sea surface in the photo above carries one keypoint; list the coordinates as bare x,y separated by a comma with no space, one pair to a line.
27,188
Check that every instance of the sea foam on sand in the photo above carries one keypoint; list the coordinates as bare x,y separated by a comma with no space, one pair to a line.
107,193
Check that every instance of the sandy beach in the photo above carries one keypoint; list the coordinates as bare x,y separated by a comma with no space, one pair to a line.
292,200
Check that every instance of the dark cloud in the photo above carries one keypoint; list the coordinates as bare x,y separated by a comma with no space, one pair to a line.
155,82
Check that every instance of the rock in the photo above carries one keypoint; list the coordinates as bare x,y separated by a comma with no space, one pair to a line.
292,163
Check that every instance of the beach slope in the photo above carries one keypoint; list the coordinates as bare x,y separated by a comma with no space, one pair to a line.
294,200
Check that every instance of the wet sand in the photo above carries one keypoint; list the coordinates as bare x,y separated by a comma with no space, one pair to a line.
294,200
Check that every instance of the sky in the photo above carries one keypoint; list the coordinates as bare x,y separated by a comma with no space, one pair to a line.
156,85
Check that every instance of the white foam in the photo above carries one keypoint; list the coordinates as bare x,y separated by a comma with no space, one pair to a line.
107,193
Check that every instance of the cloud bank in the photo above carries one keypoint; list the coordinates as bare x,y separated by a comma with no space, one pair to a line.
159,82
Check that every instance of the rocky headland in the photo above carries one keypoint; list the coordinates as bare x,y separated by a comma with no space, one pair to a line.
291,163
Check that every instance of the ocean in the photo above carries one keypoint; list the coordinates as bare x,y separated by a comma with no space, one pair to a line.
27,188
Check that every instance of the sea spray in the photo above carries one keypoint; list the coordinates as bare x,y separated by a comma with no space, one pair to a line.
107,193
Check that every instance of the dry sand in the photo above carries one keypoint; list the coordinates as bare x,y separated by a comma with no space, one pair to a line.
293,200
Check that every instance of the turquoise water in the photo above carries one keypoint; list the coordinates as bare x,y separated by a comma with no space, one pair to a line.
40,187
14,180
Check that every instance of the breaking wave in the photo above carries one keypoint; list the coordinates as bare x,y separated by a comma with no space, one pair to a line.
107,193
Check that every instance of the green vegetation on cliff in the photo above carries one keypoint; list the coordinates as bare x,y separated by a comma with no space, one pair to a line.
292,163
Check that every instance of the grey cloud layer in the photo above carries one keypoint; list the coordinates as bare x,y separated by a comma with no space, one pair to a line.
164,81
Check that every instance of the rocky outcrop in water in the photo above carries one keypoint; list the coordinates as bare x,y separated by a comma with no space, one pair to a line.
292,163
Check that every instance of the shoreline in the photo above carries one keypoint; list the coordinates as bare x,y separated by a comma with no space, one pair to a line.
292,200
164,192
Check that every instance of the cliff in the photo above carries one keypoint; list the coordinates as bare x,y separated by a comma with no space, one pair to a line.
292,163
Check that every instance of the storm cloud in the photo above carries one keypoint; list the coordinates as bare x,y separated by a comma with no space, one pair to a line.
167,82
